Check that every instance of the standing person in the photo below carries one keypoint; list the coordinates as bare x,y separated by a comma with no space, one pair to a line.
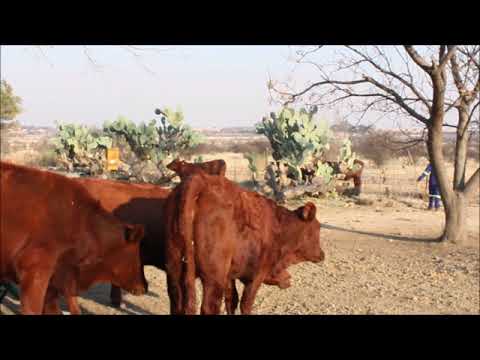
433,188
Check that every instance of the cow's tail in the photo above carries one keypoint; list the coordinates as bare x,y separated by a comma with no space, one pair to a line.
189,192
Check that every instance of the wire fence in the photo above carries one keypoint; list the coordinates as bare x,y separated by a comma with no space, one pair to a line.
401,182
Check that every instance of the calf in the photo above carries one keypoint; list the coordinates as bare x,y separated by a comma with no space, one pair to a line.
184,169
220,232
55,235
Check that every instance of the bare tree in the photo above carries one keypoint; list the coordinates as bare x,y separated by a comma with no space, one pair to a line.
137,52
398,81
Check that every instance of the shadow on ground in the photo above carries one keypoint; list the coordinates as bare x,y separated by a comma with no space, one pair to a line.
384,236
99,294
10,306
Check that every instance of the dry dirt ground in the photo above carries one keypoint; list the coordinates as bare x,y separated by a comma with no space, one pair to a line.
380,260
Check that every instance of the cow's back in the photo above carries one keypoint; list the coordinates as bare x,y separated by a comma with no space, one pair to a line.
45,208
136,204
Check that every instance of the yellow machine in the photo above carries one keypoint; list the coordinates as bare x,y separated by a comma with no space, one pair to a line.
113,159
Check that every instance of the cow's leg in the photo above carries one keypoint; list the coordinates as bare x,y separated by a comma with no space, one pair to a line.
33,285
212,297
115,296
231,297
72,303
36,267
357,182
51,305
175,295
249,293
68,280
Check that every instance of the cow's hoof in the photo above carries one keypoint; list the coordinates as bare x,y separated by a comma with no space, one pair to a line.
116,305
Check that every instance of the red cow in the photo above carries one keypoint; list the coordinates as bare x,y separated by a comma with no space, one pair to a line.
55,235
183,168
356,175
134,203
220,232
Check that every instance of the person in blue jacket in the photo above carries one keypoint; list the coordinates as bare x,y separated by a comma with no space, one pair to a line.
433,188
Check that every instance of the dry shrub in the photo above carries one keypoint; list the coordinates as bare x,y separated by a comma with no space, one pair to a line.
4,144
381,146
45,153
373,146
255,146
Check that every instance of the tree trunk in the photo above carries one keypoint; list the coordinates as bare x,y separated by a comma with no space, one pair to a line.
453,224
461,148
455,215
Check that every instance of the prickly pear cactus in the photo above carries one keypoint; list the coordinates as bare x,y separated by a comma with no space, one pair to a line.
295,137
156,143
79,146
141,138
198,159
252,164
325,172
347,156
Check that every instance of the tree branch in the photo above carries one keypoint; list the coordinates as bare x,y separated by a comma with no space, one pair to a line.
392,74
417,58
472,111
472,184
326,82
398,100
446,58
456,75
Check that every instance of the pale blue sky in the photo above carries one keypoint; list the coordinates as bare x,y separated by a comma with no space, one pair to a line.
216,86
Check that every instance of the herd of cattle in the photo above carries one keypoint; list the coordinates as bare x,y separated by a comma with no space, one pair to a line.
59,236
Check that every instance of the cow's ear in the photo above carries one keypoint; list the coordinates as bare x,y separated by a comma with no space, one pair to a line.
308,211
134,233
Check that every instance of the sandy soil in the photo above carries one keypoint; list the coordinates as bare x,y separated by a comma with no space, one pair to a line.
380,260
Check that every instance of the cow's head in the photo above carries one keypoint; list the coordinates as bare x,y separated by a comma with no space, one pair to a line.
308,246
176,165
125,262
299,239
282,279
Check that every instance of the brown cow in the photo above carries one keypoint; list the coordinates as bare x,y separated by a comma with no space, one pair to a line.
350,174
141,204
220,232
54,234
184,169
134,203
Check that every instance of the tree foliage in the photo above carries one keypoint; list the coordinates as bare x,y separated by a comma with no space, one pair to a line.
9,102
